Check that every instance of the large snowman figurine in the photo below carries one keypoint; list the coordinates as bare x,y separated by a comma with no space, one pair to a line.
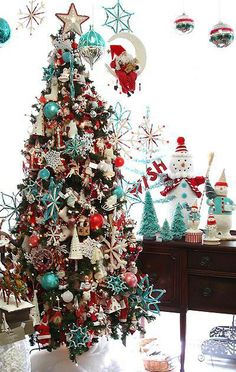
221,207
179,181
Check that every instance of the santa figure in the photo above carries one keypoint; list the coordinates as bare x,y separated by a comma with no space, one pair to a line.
125,67
221,207
179,181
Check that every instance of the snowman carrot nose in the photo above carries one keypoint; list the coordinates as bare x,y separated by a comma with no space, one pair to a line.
183,164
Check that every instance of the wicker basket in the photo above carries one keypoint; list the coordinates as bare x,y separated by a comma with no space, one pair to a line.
153,365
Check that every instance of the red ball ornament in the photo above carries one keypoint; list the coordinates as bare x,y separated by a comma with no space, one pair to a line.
96,221
33,240
119,161
130,279
74,45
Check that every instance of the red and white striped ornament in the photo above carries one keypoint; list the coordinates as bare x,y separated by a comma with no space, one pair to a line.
184,24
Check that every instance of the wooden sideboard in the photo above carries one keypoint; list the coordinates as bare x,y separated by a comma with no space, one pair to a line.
195,276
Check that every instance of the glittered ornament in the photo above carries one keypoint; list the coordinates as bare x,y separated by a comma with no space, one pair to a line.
130,279
50,110
33,240
221,35
44,174
67,296
93,114
67,57
49,281
42,260
5,32
184,24
118,191
119,161
91,46
96,221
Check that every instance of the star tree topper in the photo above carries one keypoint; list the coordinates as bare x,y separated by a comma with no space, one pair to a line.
72,20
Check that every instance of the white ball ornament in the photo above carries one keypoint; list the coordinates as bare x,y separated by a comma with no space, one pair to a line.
67,296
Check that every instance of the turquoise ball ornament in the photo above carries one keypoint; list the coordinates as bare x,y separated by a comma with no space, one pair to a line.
49,281
5,32
44,174
91,46
67,57
118,191
50,109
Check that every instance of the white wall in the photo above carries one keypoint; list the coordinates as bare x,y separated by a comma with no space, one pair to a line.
188,83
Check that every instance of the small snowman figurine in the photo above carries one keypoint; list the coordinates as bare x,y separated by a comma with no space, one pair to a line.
221,207
179,181
193,234
210,237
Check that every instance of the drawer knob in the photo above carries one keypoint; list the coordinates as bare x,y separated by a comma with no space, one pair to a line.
207,292
205,260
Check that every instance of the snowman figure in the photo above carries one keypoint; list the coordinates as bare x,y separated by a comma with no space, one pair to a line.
221,207
210,237
193,234
179,182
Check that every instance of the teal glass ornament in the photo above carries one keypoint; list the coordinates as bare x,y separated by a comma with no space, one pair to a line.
49,281
5,32
67,57
44,174
50,109
91,46
118,191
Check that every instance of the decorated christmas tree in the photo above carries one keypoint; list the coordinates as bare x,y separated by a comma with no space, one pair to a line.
166,233
149,223
178,227
76,247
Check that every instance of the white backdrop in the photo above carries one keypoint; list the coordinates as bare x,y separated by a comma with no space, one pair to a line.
188,83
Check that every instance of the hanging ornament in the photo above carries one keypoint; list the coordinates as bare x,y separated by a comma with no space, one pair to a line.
75,247
5,32
184,24
117,18
119,161
130,279
91,46
42,260
44,174
33,240
72,20
67,296
96,221
50,109
32,16
49,281
118,191
221,35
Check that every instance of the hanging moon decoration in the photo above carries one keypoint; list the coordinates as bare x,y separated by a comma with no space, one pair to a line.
140,51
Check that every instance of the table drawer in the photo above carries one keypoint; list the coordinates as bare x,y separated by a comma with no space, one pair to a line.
163,270
226,262
212,294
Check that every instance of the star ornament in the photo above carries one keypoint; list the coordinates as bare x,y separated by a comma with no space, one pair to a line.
72,20
117,18
146,297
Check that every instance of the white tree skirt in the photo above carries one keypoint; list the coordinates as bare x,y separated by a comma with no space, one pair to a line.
106,356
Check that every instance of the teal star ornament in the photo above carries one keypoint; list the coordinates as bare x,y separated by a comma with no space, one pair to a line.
117,18
77,336
72,20
143,297
116,284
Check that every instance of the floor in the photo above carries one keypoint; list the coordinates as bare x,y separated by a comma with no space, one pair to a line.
165,329
199,324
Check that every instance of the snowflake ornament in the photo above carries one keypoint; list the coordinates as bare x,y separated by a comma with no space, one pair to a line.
116,284
79,146
88,247
53,160
52,201
32,16
9,208
54,234
143,297
77,336
114,250
117,18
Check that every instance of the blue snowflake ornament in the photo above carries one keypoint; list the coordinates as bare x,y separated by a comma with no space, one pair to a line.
144,296
51,201
77,336
79,146
48,72
116,284
117,18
